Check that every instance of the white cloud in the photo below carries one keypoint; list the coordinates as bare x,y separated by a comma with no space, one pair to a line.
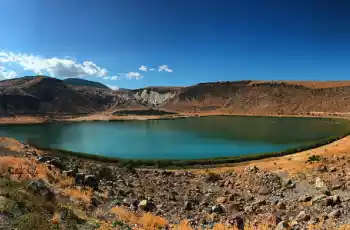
54,67
134,75
115,78
106,78
7,74
114,87
151,69
164,68
143,68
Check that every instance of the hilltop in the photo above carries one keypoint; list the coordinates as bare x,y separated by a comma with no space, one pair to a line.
45,95
83,82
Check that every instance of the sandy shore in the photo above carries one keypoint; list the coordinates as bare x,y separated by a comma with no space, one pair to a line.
109,117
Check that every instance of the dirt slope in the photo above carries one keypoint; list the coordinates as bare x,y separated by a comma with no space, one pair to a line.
264,98
36,95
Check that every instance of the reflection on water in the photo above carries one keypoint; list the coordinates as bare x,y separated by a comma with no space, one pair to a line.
180,139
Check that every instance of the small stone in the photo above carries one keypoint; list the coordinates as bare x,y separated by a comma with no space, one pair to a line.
251,169
264,190
69,173
318,198
281,205
326,192
313,221
221,200
234,207
319,183
336,199
335,213
218,209
305,198
302,216
333,169
282,225
189,205
322,168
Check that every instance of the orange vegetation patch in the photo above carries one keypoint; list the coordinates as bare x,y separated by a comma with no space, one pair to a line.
82,194
19,168
147,220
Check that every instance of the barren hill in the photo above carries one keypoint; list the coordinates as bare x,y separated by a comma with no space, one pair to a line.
41,95
47,95
264,97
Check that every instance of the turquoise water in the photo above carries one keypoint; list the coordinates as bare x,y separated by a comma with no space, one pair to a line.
189,138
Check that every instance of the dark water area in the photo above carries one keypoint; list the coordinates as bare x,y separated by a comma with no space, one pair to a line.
190,138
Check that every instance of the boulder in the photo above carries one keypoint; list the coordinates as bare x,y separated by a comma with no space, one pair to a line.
91,181
335,213
56,163
69,173
218,209
147,205
45,158
39,187
79,178
302,216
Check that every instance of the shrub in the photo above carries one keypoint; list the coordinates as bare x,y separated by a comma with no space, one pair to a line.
32,221
314,158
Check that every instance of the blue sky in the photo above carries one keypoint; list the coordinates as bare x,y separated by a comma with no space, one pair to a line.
194,40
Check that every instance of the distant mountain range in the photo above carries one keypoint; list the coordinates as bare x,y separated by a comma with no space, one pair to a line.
46,95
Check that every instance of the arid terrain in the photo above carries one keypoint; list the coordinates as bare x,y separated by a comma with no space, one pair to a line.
44,96
43,189
307,190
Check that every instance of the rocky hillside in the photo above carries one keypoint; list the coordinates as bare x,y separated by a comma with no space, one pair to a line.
37,95
48,190
263,98
48,95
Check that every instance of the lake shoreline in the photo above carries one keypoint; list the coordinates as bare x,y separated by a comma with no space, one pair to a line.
42,119
216,162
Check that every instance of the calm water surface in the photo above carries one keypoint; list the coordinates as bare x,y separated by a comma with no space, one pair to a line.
180,139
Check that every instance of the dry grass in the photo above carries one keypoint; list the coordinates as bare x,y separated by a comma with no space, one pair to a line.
82,194
56,219
146,221
67,182
20,168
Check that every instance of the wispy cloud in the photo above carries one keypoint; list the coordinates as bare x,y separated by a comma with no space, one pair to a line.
7,74
134,75
143,68
164,68
115,78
